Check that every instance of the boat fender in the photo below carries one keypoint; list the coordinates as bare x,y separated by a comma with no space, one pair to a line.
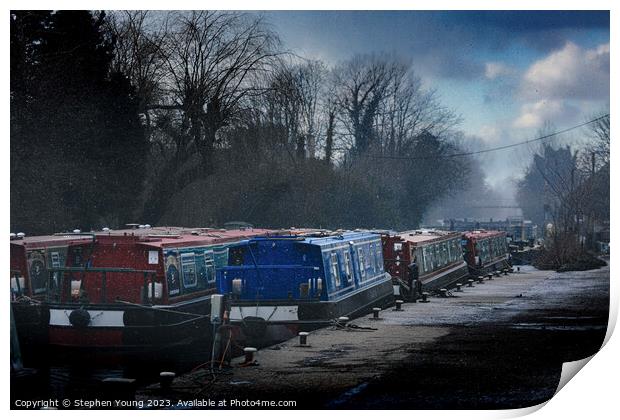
79,318
254,327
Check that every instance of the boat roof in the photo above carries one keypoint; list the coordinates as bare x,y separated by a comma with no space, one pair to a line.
322,239
420,236
159,236
46,241
481,234
198,238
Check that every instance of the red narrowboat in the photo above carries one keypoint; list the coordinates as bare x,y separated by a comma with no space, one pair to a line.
31,258
423,261
485,251
136,291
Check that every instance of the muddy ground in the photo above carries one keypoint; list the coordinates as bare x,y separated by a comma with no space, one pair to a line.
499,345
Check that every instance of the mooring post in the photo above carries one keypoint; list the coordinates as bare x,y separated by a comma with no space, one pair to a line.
303,338
249,354
518,269
458,287
342,321
425,297
490,276
443,293
480,279
470,282
375,313
165,380
399,304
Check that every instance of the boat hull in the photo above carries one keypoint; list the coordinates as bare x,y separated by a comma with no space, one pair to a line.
444,279
117,333
490,267
271,322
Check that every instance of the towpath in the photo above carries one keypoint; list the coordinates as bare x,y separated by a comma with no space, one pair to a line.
500,344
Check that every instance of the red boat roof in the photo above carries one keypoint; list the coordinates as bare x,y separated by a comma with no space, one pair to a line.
481,234
45,241
153,236
421,236
206,237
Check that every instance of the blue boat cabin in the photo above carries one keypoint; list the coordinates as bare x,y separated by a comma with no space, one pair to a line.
288,268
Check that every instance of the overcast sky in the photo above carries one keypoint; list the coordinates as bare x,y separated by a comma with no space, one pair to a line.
506,73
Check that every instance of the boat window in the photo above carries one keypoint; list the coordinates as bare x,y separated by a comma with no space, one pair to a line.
347,264
210,266
361,263
444,253
188,268
334,269
55,259
236,256
369,260
452,251
378,259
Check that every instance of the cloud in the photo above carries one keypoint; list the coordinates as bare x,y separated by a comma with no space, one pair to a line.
494,70
569,73
489,134
534,115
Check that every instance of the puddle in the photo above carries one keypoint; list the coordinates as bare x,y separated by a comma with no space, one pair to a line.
348,395
548,327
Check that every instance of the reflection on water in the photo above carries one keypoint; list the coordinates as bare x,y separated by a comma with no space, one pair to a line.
82,377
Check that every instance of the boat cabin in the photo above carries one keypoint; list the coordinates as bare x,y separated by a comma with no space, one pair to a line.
165,265
33,257
421,260
485,250
302,268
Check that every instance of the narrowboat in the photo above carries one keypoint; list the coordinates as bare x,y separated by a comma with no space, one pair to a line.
31,258
485,251
423,261
136,292
278,286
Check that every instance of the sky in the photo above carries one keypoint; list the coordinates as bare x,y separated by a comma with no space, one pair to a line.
508,74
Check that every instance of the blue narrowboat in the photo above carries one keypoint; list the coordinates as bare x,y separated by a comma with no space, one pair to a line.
278,286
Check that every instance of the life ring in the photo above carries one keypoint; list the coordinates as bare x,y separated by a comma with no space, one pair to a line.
79,318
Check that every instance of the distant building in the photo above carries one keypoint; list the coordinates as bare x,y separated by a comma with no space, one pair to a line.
516,228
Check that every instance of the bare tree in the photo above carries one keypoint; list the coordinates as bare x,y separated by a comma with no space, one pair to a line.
362,83
212,59
139,38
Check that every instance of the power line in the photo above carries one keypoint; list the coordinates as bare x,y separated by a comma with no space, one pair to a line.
494,149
